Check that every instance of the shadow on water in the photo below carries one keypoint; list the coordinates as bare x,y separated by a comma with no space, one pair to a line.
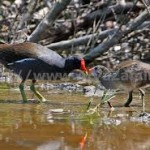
63,124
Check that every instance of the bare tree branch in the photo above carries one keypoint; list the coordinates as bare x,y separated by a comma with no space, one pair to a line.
84,39
57,34
131,26
86,21
47,22
81,40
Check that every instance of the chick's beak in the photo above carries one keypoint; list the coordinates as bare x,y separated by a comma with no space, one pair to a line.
91,70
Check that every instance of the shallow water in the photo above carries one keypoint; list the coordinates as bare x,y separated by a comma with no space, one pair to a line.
63,124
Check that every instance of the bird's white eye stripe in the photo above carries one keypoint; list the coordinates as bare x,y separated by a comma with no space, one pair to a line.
23,60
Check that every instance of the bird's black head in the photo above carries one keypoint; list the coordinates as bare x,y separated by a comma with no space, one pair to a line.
75,62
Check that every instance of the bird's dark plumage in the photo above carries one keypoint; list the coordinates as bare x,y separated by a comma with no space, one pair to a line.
29,59
37,69
13,52
34,61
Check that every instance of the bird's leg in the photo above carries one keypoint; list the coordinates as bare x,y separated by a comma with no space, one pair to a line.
142,98
129,100
109,104
32,88
106,98
21,87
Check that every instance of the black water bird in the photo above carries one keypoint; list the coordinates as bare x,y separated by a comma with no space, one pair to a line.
34,61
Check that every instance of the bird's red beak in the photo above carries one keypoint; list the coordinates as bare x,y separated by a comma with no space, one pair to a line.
83,66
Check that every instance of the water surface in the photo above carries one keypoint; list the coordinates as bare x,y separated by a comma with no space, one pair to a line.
63,123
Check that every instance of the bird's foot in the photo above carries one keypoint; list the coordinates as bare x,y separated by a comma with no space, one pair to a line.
43,100
25,101
112,109
40,96
126,105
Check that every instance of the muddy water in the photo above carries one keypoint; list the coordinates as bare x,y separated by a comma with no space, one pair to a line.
63,124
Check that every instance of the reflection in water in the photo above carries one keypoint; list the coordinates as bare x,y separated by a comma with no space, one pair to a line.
54,145
63,127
